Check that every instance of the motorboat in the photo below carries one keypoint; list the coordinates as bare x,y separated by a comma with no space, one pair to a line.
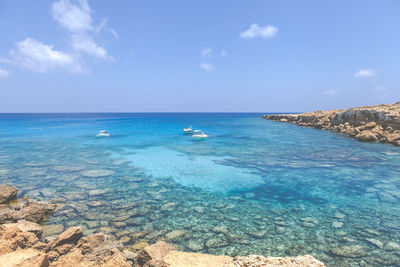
188,130
199,134
102,133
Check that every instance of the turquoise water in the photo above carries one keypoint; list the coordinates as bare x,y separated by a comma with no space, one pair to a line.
253,187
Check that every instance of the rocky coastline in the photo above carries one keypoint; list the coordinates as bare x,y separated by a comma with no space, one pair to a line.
22,244
380,123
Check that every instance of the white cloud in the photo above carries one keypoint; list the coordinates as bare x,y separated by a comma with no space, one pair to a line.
207,67
4,73
332,92
366,73
206,52
268,31
75,16
224,53
42,58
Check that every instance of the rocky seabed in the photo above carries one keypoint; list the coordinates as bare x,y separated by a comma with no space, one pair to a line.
22,244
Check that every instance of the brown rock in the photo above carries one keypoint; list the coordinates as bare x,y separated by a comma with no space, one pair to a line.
89,243
71,235
366,136
153,256
117,259
254,260
26,226
41,246
24,258
31,210
12,238
7,193
184,259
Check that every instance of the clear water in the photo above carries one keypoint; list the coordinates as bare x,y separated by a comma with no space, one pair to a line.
253,187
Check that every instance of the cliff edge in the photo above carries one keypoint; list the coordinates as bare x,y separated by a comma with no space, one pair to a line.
380,123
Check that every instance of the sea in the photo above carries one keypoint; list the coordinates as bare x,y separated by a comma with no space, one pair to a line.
253,186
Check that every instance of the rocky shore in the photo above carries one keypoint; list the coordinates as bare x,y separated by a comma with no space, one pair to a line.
380,123
22,244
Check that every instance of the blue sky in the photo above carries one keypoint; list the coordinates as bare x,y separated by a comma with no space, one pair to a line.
249,56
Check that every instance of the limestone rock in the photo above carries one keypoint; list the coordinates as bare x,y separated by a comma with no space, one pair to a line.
185,259
24,258
7,193
13,238
26,226
153,256
177,235
354,251
89,243
254,260
366,136
71,235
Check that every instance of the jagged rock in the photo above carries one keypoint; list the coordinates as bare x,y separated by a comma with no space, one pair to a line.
371,123
7,193
26,226
31,210
254,260
12,238
24,258
366,136
89,243
153,256
71,235
185,259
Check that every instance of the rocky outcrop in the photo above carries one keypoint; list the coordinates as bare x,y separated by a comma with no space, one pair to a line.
254,260
7,193
369,124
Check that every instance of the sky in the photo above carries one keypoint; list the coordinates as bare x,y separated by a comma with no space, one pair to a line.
198,56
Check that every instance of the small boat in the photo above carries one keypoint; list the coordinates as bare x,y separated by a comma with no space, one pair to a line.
102,133
188,130
199,134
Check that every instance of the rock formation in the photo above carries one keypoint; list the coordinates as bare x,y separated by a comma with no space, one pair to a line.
21,245
369,124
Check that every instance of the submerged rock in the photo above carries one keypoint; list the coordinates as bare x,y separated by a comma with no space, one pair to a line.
337,225
97,173
354,251
177,235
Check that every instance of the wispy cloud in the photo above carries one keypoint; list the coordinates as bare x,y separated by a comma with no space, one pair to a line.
224,53
115,34
332,92
42,58
366,73
75,16
206,52
207,67
4,73
255,30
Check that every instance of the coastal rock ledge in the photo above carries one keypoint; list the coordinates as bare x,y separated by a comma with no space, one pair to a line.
380,123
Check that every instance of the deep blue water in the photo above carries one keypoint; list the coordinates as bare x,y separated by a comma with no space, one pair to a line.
253,187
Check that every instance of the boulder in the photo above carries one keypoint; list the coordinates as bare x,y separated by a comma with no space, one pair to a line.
13,238
31,210
26,226
184,259
70,236
7,193
24,258
89,243
366,136
254,260
153,256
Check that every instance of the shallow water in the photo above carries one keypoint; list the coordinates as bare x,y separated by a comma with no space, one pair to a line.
253,187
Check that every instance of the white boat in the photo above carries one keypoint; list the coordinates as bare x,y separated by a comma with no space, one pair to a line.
102,133
188,130
199,134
